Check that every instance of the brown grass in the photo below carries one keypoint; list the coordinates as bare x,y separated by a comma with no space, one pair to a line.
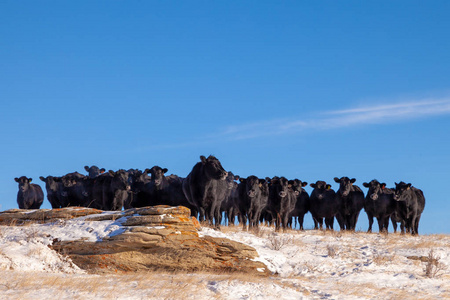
332,250
277,241
382,259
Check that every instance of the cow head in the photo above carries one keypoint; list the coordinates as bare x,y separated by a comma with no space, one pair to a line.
252,185
138,180
157,175
345,185
280,185
71,179
51,182
121,180
24,183
375,189
320,188
297,186
401,191
213,168
231,180
94,171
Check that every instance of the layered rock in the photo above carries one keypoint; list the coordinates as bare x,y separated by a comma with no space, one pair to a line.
152,238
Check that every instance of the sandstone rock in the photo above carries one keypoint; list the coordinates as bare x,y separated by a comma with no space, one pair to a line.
20,216
153,238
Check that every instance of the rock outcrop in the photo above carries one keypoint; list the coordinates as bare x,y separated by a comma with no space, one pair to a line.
151,238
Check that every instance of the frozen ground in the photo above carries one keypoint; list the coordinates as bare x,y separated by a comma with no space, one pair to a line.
305,265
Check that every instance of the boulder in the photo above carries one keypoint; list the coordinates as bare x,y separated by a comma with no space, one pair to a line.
152,238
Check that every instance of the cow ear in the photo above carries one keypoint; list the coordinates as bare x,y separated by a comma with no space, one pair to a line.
236,177
42,178
16,179
353,180
409,185
30,179
328,186
165,170
336,179
383,185
102,170
203,159
86,168
241,179
304,183
365,184
313,185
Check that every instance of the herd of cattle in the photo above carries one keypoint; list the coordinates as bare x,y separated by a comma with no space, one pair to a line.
213,193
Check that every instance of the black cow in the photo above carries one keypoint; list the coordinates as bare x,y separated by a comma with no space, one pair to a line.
30,195
351,201
229,206
141,189
53,185
323,204
302,204
253,198
164,190
94,171
74,191
205,188
137,180
281,201
111,190
411,203
379,203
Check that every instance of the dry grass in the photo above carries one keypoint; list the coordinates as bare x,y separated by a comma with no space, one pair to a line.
277,241
382,259
259,231
332,250
433,266
147,285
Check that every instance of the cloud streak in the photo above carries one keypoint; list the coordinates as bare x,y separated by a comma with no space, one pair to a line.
320,121
376,114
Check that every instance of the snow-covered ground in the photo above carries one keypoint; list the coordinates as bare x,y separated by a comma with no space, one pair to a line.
305,265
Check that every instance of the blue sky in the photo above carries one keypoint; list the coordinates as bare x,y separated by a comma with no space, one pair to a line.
302,89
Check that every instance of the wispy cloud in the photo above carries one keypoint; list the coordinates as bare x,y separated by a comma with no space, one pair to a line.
375,114
321,121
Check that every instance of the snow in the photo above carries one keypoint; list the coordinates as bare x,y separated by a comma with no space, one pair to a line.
308,264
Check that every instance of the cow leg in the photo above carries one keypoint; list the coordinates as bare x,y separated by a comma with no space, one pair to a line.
202,214
380,224
417,224
341,221
216,214
329,223
244,221
413,225
316,223
300,221
386,224
370,217
277,221
394,224
285,219
403,226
